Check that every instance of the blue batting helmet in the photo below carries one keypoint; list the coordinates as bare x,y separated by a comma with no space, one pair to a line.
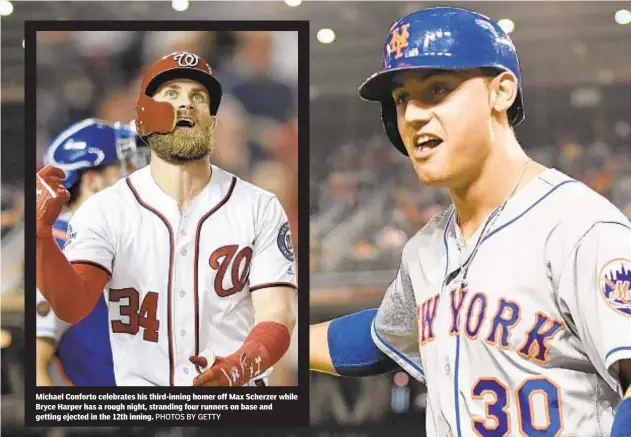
90,143
445,38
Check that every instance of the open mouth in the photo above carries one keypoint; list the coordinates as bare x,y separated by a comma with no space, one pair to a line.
185,122
428,143
425,145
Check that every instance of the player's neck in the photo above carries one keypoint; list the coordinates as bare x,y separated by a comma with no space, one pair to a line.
73,207
496,181
83,196
182,182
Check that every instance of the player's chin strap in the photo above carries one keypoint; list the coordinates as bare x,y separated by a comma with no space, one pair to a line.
622,420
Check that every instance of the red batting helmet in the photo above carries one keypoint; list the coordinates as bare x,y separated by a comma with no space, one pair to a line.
160,117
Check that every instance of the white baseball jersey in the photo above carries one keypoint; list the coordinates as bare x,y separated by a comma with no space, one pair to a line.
530,345
181,281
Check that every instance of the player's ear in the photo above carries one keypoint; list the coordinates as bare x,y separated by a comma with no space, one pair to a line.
503,89
213,123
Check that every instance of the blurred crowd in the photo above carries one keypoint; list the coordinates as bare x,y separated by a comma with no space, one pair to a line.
367,202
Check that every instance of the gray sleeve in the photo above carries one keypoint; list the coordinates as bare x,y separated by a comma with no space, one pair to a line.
395,330
594,286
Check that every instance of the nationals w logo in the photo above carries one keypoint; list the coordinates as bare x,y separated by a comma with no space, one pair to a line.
186,59
239,263
399,40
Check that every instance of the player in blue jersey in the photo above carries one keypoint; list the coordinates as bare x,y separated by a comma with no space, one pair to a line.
94,154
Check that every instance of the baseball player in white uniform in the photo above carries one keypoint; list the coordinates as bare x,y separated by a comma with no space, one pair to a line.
197,264
513,305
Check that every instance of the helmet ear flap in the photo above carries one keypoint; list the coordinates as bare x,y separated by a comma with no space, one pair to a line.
153,116
389,120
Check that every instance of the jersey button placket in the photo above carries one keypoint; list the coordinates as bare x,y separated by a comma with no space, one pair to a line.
183,305
182,232
444,355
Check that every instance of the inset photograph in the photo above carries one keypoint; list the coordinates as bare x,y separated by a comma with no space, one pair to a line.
165,178
165,231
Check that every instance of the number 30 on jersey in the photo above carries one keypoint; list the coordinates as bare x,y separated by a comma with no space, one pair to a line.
538,403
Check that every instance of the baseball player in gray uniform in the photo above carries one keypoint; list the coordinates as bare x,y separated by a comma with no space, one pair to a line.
513,306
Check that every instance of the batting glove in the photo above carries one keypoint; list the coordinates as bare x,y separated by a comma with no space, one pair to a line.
51,198
225,372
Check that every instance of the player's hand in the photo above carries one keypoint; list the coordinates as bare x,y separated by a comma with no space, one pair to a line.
51,198
225,372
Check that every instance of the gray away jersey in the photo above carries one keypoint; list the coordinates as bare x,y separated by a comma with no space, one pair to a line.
531,345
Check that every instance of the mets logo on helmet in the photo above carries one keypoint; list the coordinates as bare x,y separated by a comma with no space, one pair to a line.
399,40
613,283
186,59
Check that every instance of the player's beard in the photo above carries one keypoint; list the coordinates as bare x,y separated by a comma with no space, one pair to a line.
184,144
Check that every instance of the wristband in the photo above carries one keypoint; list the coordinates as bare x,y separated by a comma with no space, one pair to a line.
351,348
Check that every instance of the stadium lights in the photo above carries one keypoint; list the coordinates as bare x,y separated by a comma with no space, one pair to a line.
326,36
507,25
23,44
623,16
6,8
5,338
293,3
179,5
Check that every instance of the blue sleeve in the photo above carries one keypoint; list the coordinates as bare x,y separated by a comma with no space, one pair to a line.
622,419
352,350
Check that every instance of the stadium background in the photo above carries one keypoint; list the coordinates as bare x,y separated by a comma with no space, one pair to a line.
365,199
